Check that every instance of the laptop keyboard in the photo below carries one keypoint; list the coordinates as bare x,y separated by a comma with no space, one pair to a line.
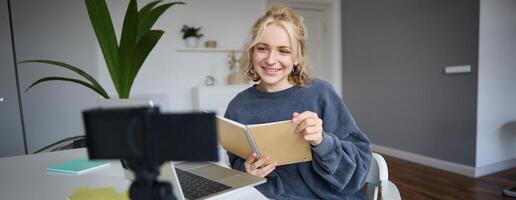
195,187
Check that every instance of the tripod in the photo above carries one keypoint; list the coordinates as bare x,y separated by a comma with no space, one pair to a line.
145,185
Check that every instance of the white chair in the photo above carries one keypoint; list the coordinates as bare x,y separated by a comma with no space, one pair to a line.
378,180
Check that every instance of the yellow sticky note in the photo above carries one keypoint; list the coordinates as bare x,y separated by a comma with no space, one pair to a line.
98,194
102,193
80,194
121,196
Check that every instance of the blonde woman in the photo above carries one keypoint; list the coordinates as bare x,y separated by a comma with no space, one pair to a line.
276,58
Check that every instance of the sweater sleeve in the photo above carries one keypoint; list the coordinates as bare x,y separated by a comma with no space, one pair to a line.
344,156
236,162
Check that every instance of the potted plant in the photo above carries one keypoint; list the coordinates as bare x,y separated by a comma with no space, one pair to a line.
123,58
191,35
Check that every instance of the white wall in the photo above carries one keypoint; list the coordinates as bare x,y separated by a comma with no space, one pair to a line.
496,118
171,74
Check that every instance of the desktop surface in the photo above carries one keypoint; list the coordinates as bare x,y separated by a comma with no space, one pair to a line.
26,177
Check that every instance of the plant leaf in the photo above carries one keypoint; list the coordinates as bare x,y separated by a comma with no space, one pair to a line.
73,138
74,69
143,48
127,46
68,80
103,27
143,11
147,20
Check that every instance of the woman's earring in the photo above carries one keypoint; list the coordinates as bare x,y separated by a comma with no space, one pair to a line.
295,69
253,73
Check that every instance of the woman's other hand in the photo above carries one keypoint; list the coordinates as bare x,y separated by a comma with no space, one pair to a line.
309,126
261,167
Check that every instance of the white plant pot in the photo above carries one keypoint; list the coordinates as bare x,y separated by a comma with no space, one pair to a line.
191,42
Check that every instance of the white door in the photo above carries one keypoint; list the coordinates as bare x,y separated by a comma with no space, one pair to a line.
317,45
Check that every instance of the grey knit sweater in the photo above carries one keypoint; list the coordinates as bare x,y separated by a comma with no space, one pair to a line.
340,163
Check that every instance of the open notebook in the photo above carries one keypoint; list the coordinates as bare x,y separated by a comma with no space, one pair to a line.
277,140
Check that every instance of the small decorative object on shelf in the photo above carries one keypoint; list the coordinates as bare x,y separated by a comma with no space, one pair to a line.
210,44
209,81
235,77
191,36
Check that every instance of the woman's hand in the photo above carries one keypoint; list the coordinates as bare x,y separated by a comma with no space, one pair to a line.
261,167
309,126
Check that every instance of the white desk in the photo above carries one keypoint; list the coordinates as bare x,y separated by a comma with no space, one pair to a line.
26,177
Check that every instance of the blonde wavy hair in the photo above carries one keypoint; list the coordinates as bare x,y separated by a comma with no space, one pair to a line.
293,24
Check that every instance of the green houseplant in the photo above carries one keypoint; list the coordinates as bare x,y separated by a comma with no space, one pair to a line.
123,59
190,31
191,35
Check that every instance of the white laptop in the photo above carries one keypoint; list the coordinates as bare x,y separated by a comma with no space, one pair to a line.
194,180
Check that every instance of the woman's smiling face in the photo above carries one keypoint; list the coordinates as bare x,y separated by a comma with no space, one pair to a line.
273,58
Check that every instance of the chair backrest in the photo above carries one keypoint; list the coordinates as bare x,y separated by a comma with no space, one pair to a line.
377,173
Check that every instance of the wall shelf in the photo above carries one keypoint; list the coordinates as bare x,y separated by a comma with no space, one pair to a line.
203,49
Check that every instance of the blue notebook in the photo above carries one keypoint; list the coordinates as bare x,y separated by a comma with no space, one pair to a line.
77,166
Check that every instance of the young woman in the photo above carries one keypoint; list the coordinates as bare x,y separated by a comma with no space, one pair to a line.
276,57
